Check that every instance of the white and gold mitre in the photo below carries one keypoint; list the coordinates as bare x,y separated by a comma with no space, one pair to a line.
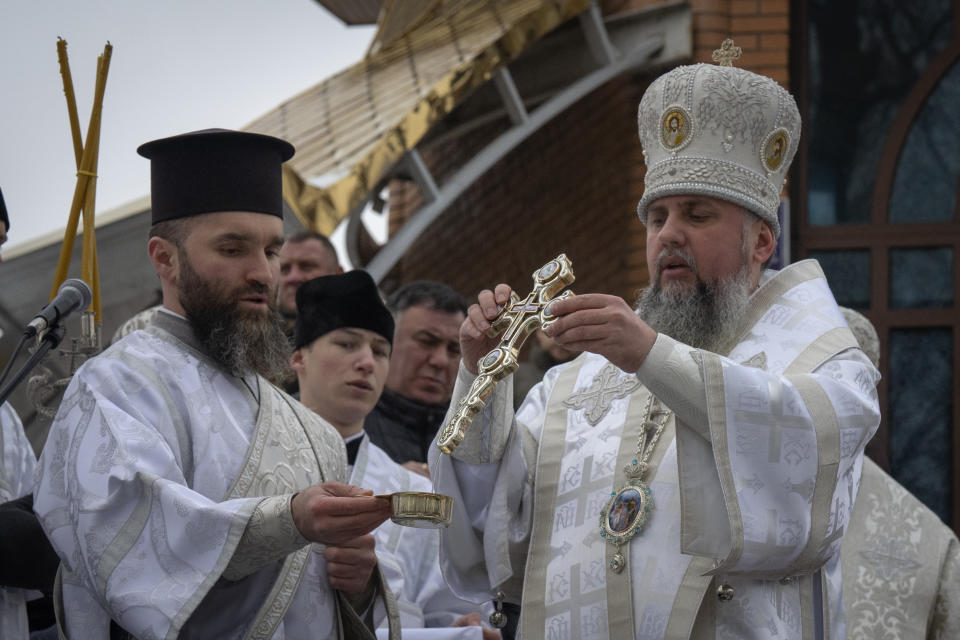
719,131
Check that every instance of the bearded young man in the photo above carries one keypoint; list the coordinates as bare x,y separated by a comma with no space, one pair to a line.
182,490
707,494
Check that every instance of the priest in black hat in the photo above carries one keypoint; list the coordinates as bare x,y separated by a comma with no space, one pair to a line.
184,492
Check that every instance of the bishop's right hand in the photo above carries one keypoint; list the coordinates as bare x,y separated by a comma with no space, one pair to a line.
333,513
474,341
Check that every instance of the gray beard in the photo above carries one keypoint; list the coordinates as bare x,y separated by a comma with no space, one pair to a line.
242,340
708,317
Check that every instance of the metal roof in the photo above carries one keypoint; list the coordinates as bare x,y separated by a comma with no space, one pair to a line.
353,12
352,128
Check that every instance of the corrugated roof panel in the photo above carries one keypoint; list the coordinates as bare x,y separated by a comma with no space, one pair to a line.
399,17
358,123
354,12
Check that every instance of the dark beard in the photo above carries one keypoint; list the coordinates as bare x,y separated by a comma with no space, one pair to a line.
242,340
708,317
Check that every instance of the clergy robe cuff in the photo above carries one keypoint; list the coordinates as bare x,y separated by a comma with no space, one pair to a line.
360,619
672,372
270,535
483,441
471,448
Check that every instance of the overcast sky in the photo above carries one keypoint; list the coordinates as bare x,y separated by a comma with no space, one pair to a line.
177,65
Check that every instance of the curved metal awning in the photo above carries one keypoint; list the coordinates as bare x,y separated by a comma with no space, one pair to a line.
646,50
351,129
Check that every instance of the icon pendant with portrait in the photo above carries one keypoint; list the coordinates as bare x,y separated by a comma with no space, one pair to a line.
625,515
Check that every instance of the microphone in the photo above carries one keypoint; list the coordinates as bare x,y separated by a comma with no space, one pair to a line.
73,294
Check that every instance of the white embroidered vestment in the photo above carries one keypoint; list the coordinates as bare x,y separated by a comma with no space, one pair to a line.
17,465
409,557
752,482
154,465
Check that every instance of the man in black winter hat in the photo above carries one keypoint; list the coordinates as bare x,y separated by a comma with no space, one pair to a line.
342,341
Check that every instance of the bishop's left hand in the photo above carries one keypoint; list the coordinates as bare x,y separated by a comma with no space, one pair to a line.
602,324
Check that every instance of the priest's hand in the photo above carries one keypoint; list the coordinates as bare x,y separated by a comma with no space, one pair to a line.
350,565
474,342
333,513
602,324
474,620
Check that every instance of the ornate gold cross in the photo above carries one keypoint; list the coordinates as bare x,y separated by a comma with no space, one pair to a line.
516,320
727,53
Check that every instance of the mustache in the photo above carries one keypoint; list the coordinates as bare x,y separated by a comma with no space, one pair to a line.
671,252
258,288
255,289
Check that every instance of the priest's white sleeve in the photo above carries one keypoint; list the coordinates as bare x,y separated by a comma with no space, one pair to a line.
114,498
490,477
435,602
270,535
17,461
17,464
769,464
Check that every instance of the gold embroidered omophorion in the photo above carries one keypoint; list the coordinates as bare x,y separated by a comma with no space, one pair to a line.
629,508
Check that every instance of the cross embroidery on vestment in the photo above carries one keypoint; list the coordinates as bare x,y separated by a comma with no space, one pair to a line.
608,385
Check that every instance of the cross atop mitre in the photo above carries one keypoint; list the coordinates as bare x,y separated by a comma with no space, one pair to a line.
727,53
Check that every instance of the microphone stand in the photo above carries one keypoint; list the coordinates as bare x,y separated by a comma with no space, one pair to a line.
50,339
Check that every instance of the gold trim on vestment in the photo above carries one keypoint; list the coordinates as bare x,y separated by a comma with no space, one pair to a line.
691,601
827,427
275,605
620,586
789,277
717,416
549,458
822,349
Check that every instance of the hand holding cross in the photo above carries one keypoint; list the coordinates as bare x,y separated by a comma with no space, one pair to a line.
516,320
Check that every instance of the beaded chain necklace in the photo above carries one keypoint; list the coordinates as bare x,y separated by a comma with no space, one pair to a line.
629,508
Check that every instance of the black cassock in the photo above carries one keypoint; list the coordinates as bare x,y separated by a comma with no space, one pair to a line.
27,560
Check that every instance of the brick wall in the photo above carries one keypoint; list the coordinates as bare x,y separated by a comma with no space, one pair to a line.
760,27
573,186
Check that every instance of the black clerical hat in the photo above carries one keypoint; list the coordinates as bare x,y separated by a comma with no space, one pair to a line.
344,300
215,170
3,212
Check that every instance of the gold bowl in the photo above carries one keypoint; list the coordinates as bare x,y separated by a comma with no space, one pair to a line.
420,509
